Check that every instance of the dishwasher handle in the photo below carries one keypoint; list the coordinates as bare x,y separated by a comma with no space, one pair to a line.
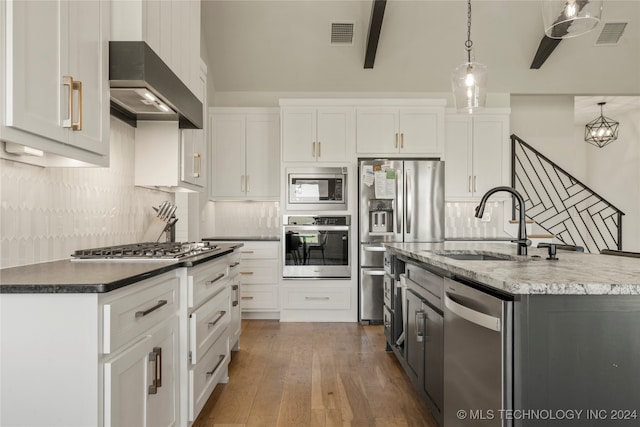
480,319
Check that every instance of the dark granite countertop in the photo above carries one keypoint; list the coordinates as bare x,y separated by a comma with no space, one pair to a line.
243,238
92,276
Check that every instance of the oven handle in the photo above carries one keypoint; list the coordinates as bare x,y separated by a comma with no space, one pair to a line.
304,228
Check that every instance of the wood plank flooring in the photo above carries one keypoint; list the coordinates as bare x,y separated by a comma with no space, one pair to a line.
314,374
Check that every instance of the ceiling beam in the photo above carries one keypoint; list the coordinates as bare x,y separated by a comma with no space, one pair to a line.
375,25
546,47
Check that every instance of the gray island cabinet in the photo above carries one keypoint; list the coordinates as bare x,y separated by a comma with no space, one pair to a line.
547,343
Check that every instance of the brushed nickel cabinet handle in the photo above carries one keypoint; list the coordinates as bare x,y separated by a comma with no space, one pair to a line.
317,298
313,149
235,264
319,149
149,310
469,186
220,359
396,139
220,315
475,183
246,252
248,183
236,293
246,272
246,297
242,183
402,140
215,279
197,160
156,357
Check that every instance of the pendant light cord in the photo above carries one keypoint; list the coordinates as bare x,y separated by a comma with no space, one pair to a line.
468,44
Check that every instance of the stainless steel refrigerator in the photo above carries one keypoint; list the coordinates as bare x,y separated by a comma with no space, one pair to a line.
400,201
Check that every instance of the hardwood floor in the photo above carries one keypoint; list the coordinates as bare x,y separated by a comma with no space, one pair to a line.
314,374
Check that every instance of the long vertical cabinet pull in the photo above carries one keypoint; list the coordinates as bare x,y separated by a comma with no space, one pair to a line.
475,183
409,197
420,325
77,86
313,149
197,161
400,202
402,140
236,293
242,183
68,81
469,186
319,149
396,139
248,183
156,357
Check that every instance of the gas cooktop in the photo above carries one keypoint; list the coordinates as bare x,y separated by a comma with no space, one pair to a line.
147,251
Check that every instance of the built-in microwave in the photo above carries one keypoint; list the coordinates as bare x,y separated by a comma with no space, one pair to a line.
318,189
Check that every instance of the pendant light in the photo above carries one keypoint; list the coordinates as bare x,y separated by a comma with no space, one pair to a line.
570,18
602,130
469,79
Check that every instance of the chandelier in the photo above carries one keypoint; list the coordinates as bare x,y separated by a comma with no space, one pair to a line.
602,130
469,79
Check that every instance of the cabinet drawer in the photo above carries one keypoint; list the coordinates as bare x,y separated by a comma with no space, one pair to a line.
317,298
206,280
130,313
259,271
259,297
259,250
207,323
204,376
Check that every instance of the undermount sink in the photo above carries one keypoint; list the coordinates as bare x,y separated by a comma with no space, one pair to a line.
475,256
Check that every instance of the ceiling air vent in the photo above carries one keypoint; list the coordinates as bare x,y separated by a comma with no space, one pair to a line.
341,33
610,33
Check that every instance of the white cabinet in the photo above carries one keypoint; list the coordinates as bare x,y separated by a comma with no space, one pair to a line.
140,346
55,81
400,130
317,134
171,158
235,325
245,153
141,381
476,153
170,27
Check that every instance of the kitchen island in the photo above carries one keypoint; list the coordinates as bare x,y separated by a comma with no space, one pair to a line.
567,341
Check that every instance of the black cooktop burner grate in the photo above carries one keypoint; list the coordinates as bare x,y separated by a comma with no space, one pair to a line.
149,250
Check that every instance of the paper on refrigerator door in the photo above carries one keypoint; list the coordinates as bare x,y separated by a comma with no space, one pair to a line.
368,175
385,184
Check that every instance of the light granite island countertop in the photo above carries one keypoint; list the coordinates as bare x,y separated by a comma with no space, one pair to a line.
574,273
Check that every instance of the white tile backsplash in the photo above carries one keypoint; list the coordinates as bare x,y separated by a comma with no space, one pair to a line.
260,219
460,221
47,213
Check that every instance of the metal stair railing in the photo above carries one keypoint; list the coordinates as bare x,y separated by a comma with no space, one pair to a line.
561,204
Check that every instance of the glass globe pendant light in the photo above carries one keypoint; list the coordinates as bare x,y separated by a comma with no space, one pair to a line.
469,79
564,19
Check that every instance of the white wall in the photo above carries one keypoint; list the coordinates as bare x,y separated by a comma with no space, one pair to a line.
47,213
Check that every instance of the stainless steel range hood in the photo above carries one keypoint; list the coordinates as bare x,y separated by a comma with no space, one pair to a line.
143,87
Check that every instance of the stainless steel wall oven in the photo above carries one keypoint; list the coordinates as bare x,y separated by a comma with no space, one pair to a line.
316,247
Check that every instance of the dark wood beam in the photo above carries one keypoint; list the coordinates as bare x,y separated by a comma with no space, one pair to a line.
546,47
375,25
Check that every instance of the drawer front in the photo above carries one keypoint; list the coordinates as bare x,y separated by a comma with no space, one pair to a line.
317,299
259,250
258,297
138,308
204,376
207,323
206,280
259,271
388,291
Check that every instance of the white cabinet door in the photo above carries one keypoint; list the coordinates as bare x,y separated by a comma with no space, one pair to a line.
228,137
299,134
476,154
490,151
419,130
458,156
262,156
88,59
334,132
377,130
193,149
141,382
47,44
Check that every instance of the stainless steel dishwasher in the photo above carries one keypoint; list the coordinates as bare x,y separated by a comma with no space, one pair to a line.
478,366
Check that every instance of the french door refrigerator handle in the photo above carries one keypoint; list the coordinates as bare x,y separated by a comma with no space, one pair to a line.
480,319
400,204
409,200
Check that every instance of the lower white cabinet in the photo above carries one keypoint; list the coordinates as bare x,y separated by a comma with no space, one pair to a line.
235,326
259,279
141,384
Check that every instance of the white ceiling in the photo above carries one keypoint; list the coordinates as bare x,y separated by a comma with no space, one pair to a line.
273,46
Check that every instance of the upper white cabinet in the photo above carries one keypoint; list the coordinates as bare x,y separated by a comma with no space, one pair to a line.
317,134
245,154
170,27
476,153
171,158
55,81
388,130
